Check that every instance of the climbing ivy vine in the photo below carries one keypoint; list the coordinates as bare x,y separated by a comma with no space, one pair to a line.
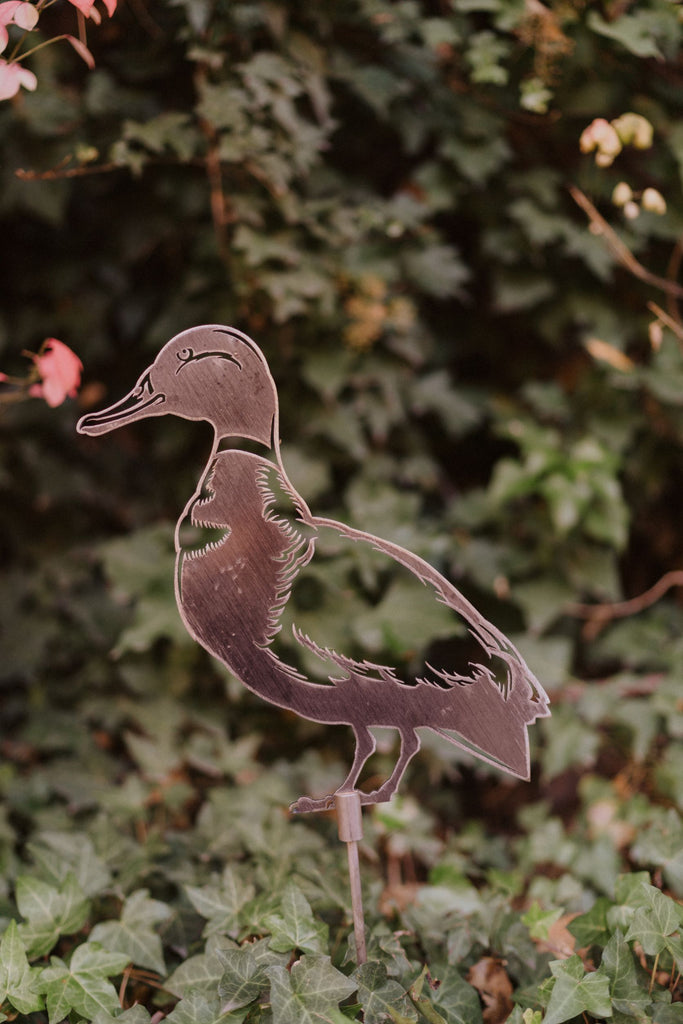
454,228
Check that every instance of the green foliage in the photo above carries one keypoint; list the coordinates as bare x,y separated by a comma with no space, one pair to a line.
378,191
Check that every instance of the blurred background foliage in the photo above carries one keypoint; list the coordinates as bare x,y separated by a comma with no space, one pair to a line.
469,363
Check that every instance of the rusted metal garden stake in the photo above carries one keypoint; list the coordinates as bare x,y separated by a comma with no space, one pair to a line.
350,825
247,538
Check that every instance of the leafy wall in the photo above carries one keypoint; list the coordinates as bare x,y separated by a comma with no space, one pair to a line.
392,198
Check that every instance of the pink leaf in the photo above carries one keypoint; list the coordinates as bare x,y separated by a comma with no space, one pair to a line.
16,12
8,9
84,6
82,50
87,8
60,369
26,16
12,77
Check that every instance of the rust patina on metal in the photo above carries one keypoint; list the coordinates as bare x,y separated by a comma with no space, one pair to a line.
236,585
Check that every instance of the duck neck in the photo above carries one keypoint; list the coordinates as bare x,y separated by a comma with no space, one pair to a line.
270,452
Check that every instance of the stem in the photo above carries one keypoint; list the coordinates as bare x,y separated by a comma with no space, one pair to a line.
674,325
14,55
221,214
672,273
619,249
42,5
66,172
124,986
82,34
652,976
41,46
597,615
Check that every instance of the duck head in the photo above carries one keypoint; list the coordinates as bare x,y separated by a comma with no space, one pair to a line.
208,373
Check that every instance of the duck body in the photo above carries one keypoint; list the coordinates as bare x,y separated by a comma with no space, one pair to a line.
237,588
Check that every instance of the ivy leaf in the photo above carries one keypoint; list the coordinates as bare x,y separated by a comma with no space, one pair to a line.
387,948
575,991
134,1015
634,31
422,1002
668,1014
199,1008
19,983
203,971
662,844
539,921
651,925
591,928
438,270
628,996
166,131
631,890
381,997
458,1000
62,853
245,972
50,911
309,993
134,934
435,393
295,927
138,567
221,904
83,985
674,944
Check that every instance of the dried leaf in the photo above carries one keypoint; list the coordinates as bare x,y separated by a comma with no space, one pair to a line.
491,980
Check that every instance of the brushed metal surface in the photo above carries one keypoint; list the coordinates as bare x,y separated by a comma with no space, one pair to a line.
254,541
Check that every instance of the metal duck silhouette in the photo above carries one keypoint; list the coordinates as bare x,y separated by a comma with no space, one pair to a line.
236,591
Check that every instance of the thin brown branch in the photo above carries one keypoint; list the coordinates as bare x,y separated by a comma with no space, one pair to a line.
219,209
56,173
598,615
62,171
619,249
672,272
674,325
221,215
124,985
82,33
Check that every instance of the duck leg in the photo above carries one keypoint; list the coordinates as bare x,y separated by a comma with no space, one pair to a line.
365,746
410,744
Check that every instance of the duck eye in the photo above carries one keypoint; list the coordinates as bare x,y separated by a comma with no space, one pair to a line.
185,356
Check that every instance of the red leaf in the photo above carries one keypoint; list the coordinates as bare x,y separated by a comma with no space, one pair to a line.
82,50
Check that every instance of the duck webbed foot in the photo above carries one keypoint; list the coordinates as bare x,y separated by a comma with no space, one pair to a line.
306,804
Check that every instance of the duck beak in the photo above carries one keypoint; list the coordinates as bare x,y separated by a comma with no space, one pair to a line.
142,401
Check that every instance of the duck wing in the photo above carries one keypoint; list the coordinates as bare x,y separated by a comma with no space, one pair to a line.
407,648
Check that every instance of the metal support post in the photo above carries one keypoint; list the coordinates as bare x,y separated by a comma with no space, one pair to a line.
350,825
